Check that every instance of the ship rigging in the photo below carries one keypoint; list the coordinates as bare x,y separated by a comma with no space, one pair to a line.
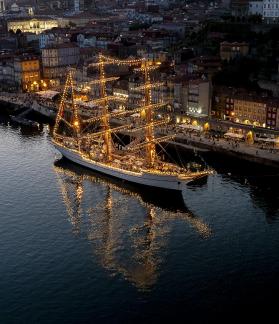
94,147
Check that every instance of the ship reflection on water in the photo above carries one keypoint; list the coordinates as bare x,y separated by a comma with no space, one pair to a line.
129,228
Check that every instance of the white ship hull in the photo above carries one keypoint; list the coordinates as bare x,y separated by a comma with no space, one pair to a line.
161,181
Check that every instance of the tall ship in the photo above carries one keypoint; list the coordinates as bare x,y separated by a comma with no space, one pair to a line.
92,142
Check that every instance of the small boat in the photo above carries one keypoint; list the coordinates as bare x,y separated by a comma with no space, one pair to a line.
25,122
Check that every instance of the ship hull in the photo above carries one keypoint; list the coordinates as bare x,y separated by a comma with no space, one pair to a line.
167,182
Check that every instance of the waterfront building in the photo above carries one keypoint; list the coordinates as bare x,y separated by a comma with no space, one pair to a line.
199,98
222,103
272,114
239,106
27,72
250,110
230,51
192,97
56,58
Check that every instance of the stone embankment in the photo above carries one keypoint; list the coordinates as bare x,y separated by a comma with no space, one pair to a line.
268,156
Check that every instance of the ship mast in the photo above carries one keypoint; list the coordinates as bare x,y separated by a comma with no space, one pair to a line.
75,122
105,119
148,108
104,99
149,133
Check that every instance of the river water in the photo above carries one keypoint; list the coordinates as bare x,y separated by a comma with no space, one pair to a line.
78,248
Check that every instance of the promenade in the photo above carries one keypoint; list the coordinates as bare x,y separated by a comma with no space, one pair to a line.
256,152
18,99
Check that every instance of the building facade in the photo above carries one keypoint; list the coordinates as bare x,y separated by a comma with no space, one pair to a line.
241,107
27,72
255,8
56,58
34,25
192,97
268,9
230,51
239,8
271,11
250,110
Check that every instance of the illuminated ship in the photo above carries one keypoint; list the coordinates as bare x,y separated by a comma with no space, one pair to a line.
96,149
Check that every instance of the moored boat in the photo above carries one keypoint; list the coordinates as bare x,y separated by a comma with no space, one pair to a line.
95,149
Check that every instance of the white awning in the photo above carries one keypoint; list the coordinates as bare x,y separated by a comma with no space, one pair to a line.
89,104
269,140
234,135
189,126
47,94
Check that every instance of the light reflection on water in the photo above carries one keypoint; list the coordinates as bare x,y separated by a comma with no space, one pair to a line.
76,247
127,245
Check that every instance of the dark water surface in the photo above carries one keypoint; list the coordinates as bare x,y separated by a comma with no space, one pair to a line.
77,248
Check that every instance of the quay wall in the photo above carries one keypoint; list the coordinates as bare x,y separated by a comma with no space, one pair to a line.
235,153
10,107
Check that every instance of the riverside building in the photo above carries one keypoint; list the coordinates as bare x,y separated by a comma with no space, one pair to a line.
27,72
56,58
